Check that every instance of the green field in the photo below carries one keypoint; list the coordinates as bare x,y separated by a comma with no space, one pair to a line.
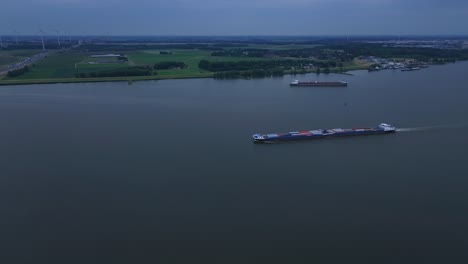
282,47
54,66
103,79
189,57
67,65
7,60
19,53
64,66
8,57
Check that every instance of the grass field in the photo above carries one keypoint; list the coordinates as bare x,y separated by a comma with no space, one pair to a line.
54,66
7,60
8,57
282,47
67,65
103,79
63,67
19,53
189,57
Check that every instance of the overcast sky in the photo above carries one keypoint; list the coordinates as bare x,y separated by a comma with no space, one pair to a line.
236,17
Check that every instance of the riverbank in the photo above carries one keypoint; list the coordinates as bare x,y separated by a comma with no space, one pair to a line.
152,77
103,79
79,66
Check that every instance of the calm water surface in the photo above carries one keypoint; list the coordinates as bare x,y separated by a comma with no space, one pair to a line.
166,171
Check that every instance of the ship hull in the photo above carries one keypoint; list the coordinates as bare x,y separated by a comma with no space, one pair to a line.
293,136
318,84
289,138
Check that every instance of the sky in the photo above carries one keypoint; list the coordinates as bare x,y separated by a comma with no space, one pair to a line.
235,17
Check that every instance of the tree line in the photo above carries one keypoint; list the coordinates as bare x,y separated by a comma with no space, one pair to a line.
167,65
219,66
249,65
383,51
258,73
318,53
122,72
124,47
342,52
18,72
133,70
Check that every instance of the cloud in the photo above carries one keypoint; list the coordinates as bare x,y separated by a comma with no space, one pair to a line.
274,3
280,17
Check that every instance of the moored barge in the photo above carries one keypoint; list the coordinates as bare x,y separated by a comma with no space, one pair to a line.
317,83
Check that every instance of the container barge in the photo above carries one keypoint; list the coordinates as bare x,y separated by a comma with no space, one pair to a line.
323,133
317,83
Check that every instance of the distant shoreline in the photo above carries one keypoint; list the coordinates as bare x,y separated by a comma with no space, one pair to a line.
140,78
220,61
132,79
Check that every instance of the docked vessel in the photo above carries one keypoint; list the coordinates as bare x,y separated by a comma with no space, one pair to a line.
411,69
323,133
317,83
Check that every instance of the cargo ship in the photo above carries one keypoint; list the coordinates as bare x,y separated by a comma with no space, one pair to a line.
323,133
317,83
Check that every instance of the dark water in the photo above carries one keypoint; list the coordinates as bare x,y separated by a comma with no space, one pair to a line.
166,172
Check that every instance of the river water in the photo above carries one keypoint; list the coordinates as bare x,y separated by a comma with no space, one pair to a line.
166,171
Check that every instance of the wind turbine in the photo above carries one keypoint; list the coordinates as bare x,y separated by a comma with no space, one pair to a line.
58,36
16,36
66,32
42,38
15,33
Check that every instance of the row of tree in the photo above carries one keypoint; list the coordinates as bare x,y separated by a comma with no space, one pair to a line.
422,54
245,52
18,72
122,72
167,65
248,74
265,73
250,65
319,53
124,47
348,51
133,71
265,64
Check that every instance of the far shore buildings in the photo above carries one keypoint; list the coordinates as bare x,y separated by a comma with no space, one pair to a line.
105,56
111,58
